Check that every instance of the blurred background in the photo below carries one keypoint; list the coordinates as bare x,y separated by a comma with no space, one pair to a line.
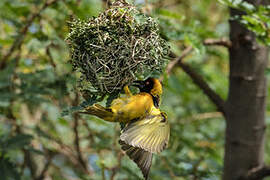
37,84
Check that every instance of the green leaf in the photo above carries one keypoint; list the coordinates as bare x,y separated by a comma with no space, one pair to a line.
16,142
267,72
8,169
83,105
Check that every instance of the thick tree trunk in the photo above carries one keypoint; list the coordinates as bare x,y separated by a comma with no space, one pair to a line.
246,103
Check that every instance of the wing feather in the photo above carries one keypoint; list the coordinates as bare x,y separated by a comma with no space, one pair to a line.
150,133
142,158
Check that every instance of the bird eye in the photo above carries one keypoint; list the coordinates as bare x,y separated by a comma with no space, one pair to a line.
147,83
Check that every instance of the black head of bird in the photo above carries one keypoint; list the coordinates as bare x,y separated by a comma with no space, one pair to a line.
151,86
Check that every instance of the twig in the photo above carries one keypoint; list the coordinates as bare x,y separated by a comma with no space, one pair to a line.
77,138
106,3
22,33
65,150
174,63
167,166
201,116
28,158
46,166
117,167
48,52
208,42
257,173
199,81
219,42
77,142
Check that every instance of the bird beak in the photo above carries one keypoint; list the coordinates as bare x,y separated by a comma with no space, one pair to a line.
138,84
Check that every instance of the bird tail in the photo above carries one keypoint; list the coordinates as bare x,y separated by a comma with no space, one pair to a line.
99,111
142,158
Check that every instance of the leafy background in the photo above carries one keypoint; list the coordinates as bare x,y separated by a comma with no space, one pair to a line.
37,85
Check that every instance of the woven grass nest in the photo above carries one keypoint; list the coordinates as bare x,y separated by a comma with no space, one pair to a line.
115,48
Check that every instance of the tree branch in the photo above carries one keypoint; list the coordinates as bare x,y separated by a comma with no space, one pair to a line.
22,33
199,81
219,42
207,42
175,62
77,138
257,173
46,166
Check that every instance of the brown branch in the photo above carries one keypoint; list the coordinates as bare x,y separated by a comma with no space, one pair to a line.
201,116
77,138
199,81
106,4
22,33
28,158
118,166
46,166
48,52
174,63
167,166
77,142
218,42
208,42
65,150
257,173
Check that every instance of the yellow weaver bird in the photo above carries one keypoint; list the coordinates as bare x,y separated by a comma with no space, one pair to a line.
127,108
146,129
143,137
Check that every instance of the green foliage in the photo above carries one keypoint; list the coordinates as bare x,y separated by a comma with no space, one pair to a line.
255,18
8,169
38,84
16,142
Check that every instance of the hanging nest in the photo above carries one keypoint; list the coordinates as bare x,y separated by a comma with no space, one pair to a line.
115,48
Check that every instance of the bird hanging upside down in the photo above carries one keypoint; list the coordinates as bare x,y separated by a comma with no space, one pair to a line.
146,128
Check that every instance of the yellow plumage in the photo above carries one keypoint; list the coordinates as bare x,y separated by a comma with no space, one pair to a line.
141,138
150,133
123,109
131,107
146,129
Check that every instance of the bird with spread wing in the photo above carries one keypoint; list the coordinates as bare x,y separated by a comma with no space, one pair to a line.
146,129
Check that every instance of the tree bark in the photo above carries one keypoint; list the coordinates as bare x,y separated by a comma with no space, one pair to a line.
246,103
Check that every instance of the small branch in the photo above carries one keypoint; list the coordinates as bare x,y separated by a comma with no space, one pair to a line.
48,52
201,116
29,161
199,81
22,33
208,42
77,138
117,167
219,42
106,3
46,166
174,63
167,166
257,173
65,150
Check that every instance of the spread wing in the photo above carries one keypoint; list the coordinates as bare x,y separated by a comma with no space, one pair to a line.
142,158
150,133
